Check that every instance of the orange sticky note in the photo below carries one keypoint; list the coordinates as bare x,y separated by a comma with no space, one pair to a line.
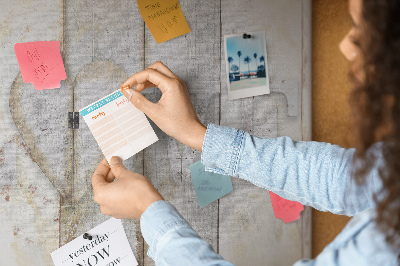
284,209
164,18
41,63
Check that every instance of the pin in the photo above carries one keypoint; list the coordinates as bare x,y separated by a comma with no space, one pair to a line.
125,88
246,36
87,236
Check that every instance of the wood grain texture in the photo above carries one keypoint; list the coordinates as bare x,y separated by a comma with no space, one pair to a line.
195,58
331,89
102,44
29,202
248,231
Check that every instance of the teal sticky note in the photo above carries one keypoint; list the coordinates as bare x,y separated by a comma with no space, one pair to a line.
209,186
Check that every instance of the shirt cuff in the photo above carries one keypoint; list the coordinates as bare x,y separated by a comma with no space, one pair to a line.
157,220
222,148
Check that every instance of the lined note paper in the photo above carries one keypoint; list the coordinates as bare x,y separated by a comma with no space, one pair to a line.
164,18
118,126
41,63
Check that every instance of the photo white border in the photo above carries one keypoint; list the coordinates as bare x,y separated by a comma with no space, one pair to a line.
248,92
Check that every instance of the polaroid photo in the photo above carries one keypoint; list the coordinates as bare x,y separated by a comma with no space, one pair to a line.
246,65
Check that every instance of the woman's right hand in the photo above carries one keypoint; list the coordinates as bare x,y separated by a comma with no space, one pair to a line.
174,112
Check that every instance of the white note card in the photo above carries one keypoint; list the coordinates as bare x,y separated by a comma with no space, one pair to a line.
118,126
108,247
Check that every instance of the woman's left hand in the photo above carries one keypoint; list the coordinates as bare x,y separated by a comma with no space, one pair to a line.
128,196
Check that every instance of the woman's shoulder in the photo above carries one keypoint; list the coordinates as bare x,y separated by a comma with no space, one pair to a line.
363,236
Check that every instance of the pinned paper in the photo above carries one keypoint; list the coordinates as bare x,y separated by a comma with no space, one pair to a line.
41,64
209,186
108,246
164,18
284,209
118,126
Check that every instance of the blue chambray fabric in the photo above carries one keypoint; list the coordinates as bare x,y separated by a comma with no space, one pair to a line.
312,173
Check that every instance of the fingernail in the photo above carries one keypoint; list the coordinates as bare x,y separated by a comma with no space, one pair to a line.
115,160
129,92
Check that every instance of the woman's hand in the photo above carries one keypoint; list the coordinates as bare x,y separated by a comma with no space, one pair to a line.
173,113
128,196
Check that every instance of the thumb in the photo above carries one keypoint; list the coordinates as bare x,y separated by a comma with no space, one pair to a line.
138,100
117,167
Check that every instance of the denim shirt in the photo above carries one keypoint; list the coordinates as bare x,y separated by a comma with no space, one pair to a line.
312,173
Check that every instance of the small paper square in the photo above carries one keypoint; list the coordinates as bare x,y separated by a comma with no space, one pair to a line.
41,63
209,186
164,18
284,209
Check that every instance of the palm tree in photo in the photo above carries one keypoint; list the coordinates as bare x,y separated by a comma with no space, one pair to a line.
239,55
234,68
262,59
230,60
247,60
261,72
255,60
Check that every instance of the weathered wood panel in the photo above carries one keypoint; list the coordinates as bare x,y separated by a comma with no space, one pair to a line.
248,232
103,43
29,203
109,33
100,47
194,58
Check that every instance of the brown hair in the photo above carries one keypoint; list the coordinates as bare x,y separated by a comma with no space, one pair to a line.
375,103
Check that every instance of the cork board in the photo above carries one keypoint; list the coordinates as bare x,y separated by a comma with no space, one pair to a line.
330,108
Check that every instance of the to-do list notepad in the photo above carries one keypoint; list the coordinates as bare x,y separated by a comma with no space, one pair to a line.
118,126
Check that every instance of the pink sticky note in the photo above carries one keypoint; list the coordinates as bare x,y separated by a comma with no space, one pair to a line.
284,209
41,63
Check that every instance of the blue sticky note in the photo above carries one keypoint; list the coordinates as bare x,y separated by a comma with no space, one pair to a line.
209,186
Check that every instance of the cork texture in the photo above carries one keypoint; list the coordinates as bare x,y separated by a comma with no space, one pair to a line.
330,104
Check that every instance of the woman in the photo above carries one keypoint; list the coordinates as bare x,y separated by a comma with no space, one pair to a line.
316,174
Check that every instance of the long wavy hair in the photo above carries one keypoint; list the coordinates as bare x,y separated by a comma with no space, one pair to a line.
375,103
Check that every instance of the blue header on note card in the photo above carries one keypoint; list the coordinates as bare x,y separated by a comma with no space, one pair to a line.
101,103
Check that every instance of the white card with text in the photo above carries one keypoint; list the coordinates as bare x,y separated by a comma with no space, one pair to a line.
108,247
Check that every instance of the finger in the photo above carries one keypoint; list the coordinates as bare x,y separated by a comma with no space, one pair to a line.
159,80
139,87
160,67
100,174
140,102
104,210
142,86
110,177
118,169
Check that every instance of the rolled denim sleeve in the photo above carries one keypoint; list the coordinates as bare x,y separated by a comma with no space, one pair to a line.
313,173
172,241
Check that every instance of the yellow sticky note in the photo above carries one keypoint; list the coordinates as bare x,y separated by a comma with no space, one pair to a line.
164,18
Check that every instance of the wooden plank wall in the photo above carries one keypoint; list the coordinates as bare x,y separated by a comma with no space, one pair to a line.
46,198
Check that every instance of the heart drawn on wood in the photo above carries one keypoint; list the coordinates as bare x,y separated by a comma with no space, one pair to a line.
68,157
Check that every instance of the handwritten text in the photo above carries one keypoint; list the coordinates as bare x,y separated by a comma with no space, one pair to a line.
122,102
163,11
100,114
